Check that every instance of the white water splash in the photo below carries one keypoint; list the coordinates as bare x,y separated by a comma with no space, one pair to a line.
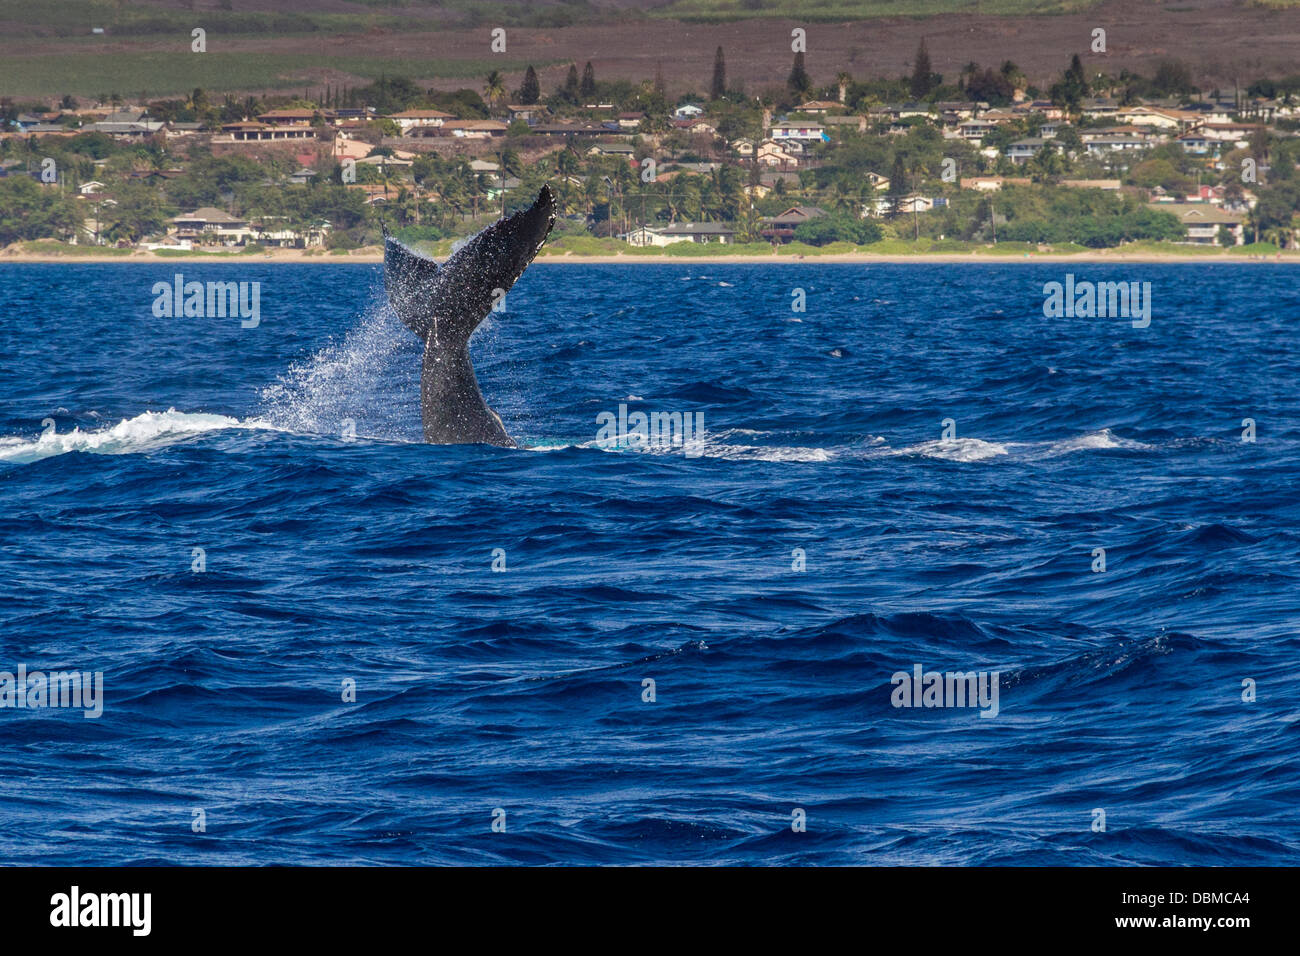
145,432
370,379
956,449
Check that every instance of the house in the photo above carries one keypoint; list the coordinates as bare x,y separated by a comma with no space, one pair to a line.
818,107
688,111
1203,222
1023,150
630,121
212,225
961,109
529,113
276,231
913,111
858,123
177,130
256,132
1105,141
915,203
302,177
780,228
990,184
496,186
773,154
1099,108
293,117
974,130
125,129
408,120
1047,109
361,114
719,232
744,148
696,127
90,188
612,149
1233,135
643,236
463,129
802,132
1197,143
1166,119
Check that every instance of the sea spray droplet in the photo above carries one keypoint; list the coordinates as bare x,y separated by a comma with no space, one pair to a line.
372,377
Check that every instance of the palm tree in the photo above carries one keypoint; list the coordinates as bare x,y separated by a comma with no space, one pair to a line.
1278,236
842,197
494,89
843,80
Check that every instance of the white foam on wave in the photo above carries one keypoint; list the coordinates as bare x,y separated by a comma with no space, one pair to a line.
978,450
956,449
1094,440
145,432
709,446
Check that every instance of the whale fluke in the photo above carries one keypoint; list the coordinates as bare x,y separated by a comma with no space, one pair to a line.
444,304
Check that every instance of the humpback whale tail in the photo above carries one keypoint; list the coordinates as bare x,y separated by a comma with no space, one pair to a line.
444,304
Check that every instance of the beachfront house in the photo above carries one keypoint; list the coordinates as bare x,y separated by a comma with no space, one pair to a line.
209,225
781,227
1205,222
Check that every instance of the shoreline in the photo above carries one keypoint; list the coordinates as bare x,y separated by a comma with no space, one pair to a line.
569,258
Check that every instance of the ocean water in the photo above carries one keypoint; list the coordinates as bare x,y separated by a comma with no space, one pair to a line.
336,552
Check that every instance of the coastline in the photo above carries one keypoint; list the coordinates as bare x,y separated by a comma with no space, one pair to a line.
986,256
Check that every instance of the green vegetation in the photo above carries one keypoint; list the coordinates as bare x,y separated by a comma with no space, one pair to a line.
877,182
151,74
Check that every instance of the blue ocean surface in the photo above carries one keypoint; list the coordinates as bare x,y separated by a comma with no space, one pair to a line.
823,535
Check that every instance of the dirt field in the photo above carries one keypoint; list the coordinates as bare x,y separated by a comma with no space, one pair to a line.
1221,40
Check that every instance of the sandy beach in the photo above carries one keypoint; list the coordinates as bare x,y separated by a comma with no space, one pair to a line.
374,256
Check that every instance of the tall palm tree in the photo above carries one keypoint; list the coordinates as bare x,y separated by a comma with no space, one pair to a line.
494,90
843,81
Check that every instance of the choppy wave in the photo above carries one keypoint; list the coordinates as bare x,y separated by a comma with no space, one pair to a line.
644,656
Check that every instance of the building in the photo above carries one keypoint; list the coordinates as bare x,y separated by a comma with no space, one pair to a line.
1023,150
775,154
529,114
1203,222
408,120
800,132
257,132
293,117
990,184
818,107
780,228
719,232
209,225
461,129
